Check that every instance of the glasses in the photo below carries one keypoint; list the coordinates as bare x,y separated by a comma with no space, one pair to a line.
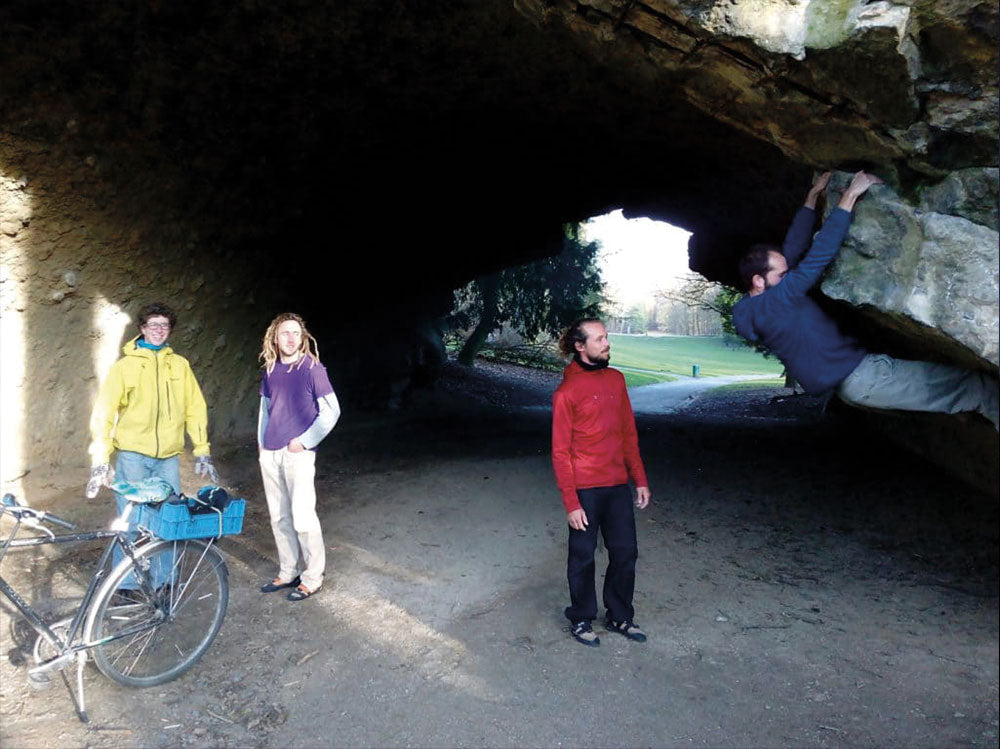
157,325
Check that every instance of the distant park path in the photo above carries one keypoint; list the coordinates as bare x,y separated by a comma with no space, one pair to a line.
667,397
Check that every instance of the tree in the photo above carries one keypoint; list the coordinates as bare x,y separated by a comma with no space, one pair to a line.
720,299
694,308
636,320
540,297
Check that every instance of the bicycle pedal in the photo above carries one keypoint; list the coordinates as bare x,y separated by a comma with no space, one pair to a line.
39,682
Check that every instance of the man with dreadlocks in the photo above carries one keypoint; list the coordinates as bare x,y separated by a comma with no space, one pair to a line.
595,449
298,408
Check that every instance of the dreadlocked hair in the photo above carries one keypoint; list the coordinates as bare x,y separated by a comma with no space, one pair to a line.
269,353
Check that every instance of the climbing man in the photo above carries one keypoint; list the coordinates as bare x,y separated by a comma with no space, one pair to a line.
595,449
779,313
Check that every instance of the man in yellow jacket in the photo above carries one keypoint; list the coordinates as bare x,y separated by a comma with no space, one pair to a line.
148,399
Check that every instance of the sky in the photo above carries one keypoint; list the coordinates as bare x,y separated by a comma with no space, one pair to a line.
638,256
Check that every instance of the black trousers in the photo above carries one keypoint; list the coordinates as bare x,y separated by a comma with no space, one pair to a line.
610,510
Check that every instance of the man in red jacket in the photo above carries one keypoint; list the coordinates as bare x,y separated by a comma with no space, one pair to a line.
595,449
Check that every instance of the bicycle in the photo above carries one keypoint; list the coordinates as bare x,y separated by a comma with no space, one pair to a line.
145,620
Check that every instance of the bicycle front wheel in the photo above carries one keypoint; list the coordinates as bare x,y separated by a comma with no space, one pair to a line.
153,632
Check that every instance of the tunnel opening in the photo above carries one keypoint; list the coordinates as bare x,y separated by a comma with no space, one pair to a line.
641,261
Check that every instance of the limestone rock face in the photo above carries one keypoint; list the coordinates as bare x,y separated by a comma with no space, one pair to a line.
929,270
969,193
909,85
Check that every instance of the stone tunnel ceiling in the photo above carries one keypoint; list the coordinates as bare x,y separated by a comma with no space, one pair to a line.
356,161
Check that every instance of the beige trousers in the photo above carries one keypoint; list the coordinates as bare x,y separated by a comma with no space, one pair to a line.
291,500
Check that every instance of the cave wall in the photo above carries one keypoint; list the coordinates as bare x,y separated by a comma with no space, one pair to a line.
355,161
80,257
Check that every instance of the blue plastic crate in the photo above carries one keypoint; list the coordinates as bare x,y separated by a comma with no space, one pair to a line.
172,522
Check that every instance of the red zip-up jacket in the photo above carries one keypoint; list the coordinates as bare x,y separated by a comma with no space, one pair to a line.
594,441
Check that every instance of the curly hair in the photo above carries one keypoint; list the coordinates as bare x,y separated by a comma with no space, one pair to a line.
575,334
157,309
269,353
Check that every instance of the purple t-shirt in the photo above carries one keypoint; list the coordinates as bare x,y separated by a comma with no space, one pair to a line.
293,399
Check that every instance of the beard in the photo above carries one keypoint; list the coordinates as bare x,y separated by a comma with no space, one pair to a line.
594,363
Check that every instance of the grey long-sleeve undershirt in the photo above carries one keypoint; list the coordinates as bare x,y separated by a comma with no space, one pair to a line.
326,419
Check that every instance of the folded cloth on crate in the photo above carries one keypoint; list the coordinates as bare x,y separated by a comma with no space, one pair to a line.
152,489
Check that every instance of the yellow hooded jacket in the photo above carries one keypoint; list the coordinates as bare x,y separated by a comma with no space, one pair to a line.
145,403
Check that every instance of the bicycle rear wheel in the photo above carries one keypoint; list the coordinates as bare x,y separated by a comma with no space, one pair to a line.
155,632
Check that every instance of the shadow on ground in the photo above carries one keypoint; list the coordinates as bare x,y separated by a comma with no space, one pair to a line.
802,584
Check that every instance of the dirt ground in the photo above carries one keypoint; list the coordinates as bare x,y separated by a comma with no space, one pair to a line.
802,585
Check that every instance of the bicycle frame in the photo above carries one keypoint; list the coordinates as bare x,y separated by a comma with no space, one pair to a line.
68,651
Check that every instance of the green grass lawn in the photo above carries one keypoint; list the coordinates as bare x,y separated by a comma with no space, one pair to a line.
777,382
636,379
658,357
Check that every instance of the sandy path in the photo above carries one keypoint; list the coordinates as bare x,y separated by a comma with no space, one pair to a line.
667,397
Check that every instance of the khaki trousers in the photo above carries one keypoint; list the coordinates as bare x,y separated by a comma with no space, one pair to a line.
881,381
291,501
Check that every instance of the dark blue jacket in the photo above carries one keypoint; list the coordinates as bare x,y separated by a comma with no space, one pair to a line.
790,323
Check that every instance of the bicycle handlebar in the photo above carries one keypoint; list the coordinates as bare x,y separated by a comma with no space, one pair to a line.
21,511
50,518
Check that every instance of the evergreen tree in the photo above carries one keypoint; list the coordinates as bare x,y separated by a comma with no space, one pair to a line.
538,298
